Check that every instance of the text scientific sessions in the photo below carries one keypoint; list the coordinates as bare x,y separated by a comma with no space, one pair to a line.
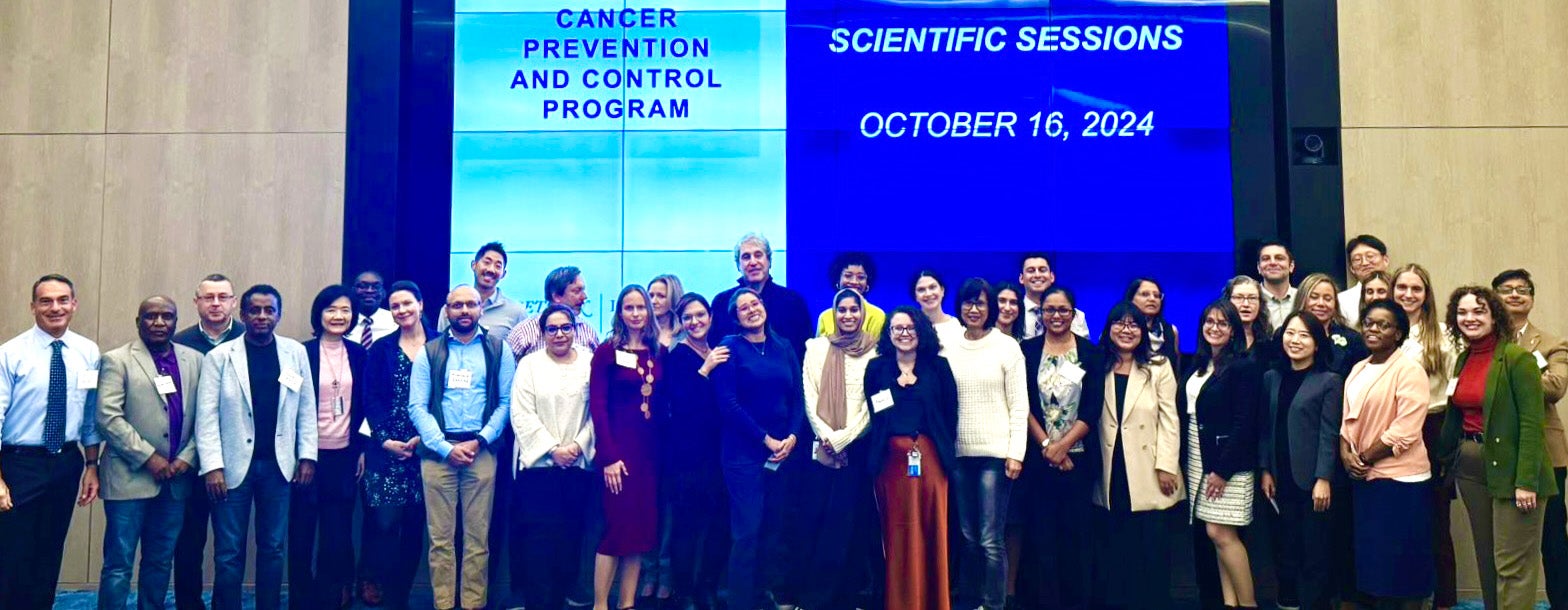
994,39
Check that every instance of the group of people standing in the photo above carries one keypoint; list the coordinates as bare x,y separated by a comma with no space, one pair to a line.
732,445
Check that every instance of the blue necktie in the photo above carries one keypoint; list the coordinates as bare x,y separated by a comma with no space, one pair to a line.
54,421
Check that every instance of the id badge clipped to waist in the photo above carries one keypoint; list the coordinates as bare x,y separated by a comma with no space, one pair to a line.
912,460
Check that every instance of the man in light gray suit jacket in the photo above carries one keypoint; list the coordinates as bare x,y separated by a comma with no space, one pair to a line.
146,415
255,432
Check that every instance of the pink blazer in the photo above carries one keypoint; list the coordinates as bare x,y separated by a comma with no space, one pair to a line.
1393,412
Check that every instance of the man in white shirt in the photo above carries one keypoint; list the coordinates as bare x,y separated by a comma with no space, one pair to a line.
371,321
1036,276
1275,266
1367,255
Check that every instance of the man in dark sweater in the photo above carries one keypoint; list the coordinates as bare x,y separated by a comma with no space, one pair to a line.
215,325
787,312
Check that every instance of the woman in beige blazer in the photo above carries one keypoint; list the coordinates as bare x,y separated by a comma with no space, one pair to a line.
1139,443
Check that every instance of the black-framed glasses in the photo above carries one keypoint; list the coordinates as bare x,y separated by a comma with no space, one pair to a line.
901,330
559,330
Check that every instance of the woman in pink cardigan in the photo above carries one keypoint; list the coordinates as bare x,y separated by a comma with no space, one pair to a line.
1380,444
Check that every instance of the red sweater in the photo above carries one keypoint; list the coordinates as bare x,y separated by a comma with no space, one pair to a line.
1470,393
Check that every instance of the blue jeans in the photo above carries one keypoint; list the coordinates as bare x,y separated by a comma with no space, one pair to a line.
155,524
266,487
982,490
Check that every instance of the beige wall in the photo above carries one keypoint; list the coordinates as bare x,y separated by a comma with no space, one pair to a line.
146,143
1456,146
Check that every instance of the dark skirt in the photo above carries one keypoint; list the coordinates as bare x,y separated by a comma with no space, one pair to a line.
1393,525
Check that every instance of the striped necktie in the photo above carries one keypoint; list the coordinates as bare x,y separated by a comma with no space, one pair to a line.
1039,321
364,335
54,419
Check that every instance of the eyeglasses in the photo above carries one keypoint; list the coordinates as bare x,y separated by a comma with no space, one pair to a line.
1245,298
901,330
1216,324
215,298
1126,325
1057,312
1377,325
558,330
1519,290
973,306
1366,258
366,285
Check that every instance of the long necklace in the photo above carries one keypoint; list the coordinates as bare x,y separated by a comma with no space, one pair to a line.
647,384
337,379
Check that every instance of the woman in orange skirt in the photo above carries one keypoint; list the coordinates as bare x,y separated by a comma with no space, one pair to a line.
914,404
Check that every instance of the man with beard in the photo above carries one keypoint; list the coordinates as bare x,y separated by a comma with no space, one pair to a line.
459,400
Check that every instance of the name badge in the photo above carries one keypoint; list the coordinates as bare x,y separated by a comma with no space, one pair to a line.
1453,384
165,384
912,462
880,401
1071,372
460,379
291,380
626,359
87,380
1540,361
770,466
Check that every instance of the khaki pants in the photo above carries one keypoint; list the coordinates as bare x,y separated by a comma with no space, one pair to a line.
1507,542
472,490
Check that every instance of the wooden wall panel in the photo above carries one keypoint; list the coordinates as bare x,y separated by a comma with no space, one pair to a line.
1416,63
51,205
260,208
53,61
228,66
1466,203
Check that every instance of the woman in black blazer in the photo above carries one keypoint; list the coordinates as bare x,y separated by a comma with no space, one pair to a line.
323,511
1318,296
394,491
1219,401
1063,458
1298,447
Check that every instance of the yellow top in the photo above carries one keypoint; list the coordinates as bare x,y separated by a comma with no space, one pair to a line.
873,322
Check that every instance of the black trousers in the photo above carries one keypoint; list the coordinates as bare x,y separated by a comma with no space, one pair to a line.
1554,545
1308,549
190,551
1055,568
547,532
32,534
321,526
392,549
510,595
838,531
700,541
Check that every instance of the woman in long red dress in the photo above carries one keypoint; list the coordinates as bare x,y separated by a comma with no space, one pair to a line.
620,397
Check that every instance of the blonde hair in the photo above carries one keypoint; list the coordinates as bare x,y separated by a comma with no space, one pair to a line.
1309,284
672,285
1431,336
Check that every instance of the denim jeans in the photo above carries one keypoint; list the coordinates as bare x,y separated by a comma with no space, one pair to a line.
154,523
982,490
266,487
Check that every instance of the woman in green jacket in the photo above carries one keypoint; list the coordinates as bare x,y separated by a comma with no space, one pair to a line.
1495,437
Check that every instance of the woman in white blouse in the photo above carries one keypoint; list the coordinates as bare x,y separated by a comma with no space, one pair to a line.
993,408
553,460
1428,343
839,507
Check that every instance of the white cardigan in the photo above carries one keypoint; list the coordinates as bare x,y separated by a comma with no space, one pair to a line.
549,407
857,416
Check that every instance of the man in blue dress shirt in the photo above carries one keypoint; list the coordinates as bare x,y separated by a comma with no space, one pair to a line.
48,394
459,399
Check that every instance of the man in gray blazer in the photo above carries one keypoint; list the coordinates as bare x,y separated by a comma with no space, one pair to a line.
255,432
146,415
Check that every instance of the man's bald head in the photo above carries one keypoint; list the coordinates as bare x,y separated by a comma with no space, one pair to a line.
463,310
155,322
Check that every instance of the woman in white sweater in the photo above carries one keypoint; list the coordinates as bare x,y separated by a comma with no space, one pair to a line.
553,460
993,407
842,536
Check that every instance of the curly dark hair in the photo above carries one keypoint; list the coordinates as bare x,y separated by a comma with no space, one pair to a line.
1501,327
929,346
